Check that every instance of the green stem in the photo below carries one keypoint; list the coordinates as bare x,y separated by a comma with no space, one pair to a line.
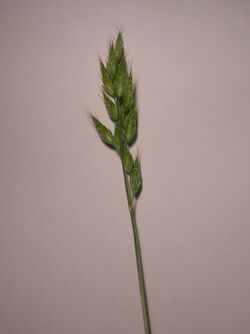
138,254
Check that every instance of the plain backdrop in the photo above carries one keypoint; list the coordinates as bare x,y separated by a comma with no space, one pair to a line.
67,262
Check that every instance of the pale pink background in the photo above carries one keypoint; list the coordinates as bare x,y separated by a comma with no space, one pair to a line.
67,261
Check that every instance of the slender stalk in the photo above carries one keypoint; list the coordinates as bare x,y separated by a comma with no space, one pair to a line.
139,265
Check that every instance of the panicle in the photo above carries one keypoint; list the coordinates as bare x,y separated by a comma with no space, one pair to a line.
119,99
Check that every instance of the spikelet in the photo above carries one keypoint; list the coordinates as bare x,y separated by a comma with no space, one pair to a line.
130,126
120,83
119,46
129,98
112,62
111,107
117,139
106,80
135,178
120,86
128,160
104,133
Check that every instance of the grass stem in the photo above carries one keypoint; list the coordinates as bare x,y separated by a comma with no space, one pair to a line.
142,287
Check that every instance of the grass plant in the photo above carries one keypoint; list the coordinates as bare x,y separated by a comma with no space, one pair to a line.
118,91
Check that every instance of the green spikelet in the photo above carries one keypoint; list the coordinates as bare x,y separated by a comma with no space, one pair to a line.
117,139
129,98
120,83
119,46
104,133
122,65
135,178
111,107
119,86
128,160
106,80
130,125
112,62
